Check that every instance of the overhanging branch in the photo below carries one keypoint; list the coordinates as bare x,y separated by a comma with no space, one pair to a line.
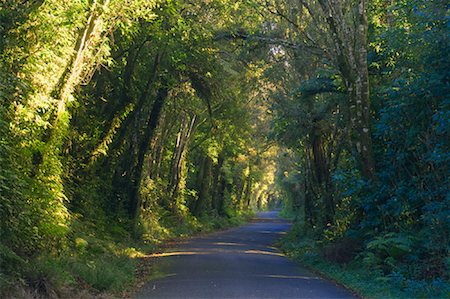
241,35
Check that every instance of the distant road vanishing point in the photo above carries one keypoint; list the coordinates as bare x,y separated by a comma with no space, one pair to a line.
238,263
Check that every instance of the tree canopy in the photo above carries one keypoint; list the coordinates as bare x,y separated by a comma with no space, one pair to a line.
132,121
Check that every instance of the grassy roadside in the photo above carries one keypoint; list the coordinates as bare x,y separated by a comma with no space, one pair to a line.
354,275
98,262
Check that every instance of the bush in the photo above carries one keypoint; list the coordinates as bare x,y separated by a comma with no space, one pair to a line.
342,251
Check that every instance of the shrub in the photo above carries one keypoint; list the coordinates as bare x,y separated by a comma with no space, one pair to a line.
342,251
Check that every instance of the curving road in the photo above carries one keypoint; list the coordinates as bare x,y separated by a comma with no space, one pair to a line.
238,263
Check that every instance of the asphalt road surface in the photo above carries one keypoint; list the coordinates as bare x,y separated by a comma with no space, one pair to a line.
238,263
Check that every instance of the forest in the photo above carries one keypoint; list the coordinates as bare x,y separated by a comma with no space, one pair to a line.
128,123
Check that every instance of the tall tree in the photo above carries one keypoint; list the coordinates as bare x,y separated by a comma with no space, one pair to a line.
336,31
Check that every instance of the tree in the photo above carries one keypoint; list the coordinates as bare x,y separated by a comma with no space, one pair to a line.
342,42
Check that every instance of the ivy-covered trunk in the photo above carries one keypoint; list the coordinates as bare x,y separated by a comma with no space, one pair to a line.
349,40
360,97
217,175
203,203
187,128
144,144
248,188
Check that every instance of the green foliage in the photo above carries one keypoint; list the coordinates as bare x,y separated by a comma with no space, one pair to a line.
104,273
10,263
303,247
95,266
386,252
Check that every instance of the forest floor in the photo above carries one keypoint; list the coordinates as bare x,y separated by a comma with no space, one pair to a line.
236,263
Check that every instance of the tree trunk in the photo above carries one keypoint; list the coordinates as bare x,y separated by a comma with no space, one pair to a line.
309,189
322,176
187,127
144,144
350,47
158,151
216,183
70,77
203,203
248,188
239,184
309,217
221,195
361,101
134,115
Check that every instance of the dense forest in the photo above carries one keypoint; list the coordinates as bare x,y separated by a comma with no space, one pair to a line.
125,123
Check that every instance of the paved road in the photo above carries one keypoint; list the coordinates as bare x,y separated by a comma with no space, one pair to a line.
239,263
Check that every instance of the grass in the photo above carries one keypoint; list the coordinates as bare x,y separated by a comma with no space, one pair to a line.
365,282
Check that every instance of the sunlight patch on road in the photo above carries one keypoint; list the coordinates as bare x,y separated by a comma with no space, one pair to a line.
160,275
271,232
213,251
263,252
291,277
228,244
175,253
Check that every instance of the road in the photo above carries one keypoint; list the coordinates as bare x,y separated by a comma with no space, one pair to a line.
238,263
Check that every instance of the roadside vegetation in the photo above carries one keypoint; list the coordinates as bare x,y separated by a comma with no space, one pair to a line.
335,262
382,231
124,124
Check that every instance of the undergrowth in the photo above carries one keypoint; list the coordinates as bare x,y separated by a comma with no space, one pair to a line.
348,268
97,260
